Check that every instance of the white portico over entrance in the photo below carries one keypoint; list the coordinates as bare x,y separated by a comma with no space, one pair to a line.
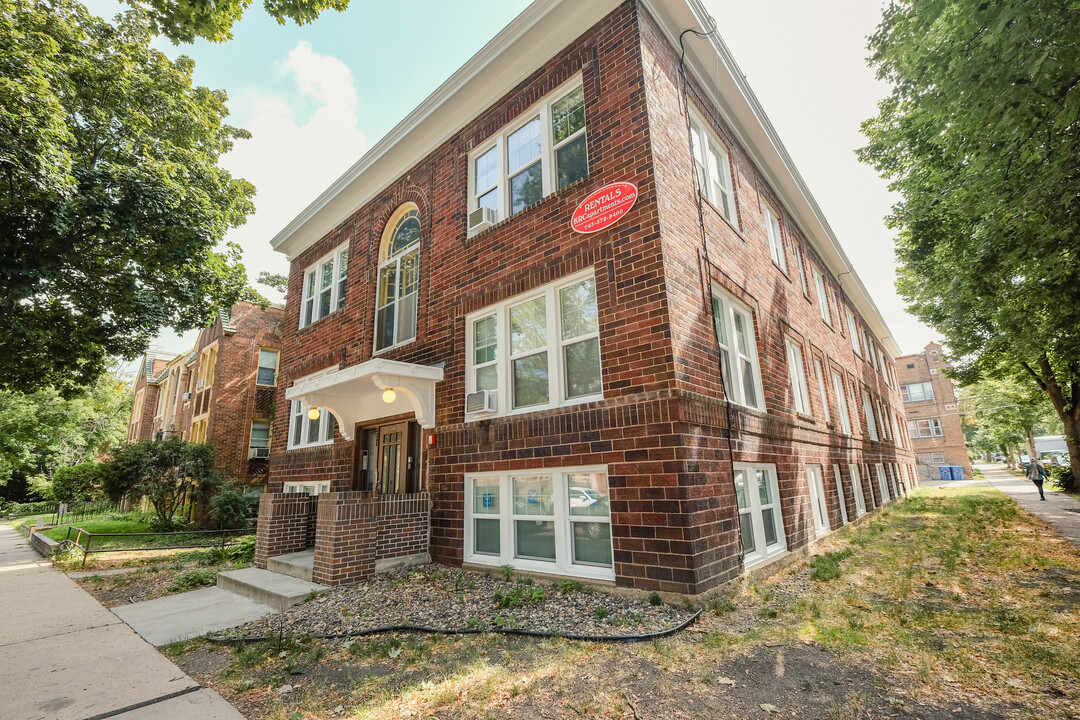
371,390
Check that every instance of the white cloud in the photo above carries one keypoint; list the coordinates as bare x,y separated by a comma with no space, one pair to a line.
293,155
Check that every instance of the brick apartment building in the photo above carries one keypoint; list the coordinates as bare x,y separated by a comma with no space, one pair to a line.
930,406
222,391
698,389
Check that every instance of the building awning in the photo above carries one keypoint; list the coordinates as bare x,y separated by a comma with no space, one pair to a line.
357,394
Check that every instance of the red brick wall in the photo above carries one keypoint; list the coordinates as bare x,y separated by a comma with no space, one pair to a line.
286,524
662,429
930,367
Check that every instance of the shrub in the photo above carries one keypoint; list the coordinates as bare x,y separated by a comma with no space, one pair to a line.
655,600
1063,478
78,483
232,508
193,579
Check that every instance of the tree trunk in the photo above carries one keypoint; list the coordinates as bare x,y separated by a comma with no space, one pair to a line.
1066,402
1032,453
1072,442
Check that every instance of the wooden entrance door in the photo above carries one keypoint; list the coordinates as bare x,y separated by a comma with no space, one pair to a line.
388,458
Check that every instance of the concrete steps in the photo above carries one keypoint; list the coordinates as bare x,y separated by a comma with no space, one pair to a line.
270,588
297,564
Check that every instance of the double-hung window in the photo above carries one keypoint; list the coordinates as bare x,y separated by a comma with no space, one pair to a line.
268,364
817,498
868,410
259,441
821,389
760,521
324,286
399,279
712,166
853,330
823,298
555,521
776,241
914,392
540,153
305,431
540,350
734,326
857,490
840,494
883,483
802,270
841,402
797,374
927,427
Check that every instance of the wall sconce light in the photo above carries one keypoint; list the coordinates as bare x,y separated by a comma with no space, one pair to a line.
313,413
389,395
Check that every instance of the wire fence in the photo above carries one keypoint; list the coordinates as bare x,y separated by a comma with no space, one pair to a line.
90,542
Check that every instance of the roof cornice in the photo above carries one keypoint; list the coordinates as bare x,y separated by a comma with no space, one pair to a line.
520,48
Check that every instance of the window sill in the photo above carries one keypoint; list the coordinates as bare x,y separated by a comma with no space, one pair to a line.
377,353
261,385
324,443
476,417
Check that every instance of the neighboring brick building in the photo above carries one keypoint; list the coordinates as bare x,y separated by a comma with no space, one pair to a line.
933,423
556,400
221,392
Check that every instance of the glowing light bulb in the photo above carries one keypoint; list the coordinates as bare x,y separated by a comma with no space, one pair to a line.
314,413
389,395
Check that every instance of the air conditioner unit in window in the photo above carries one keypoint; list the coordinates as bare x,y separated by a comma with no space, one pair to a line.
185,396
202,381
482,401
258,453
481,218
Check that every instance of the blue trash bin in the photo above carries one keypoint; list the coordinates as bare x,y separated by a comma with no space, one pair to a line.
957,472
946,472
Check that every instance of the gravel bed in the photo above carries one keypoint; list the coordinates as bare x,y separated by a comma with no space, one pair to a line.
434,596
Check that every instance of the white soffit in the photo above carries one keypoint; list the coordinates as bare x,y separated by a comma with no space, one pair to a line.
355,394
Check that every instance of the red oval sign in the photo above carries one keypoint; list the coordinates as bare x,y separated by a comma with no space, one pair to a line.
603,208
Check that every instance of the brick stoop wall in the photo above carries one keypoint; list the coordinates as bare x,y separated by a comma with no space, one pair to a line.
286,524
355,530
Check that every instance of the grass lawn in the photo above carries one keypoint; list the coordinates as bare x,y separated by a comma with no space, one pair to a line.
950,603
100,525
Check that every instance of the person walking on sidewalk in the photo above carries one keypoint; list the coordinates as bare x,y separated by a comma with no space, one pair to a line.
1037,473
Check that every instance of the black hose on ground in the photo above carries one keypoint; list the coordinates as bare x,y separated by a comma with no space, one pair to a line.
475,631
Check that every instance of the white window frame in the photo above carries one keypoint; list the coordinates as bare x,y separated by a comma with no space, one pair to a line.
797,375
305,487
755,509
884,415
883,483
853,331
712,167
818,505
774,236
400,302
548,170
857,490
932,426
840,493
820,374
557,381
733,361
884,368
907,393
259,366
868,410
563,563
802,270
298,412
822,295
894,479
339,258
841,402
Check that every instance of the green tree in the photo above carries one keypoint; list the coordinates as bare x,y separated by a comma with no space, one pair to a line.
78,483
113,208
184,20
980,136
168,473
43,431
1007,413
276,281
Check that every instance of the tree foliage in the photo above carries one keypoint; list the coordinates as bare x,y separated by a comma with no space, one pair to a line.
168,473
42,432
184,20
980,136
78,483
112,205
1000,415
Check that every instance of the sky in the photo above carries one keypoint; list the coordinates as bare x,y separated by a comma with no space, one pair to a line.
316,97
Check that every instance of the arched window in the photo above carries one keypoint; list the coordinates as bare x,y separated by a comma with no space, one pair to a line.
399,272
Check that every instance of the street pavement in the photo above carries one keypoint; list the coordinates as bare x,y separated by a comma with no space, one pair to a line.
1060,510
65,657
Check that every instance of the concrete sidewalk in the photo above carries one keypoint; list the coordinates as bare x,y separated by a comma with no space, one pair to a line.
64,657
1060,510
